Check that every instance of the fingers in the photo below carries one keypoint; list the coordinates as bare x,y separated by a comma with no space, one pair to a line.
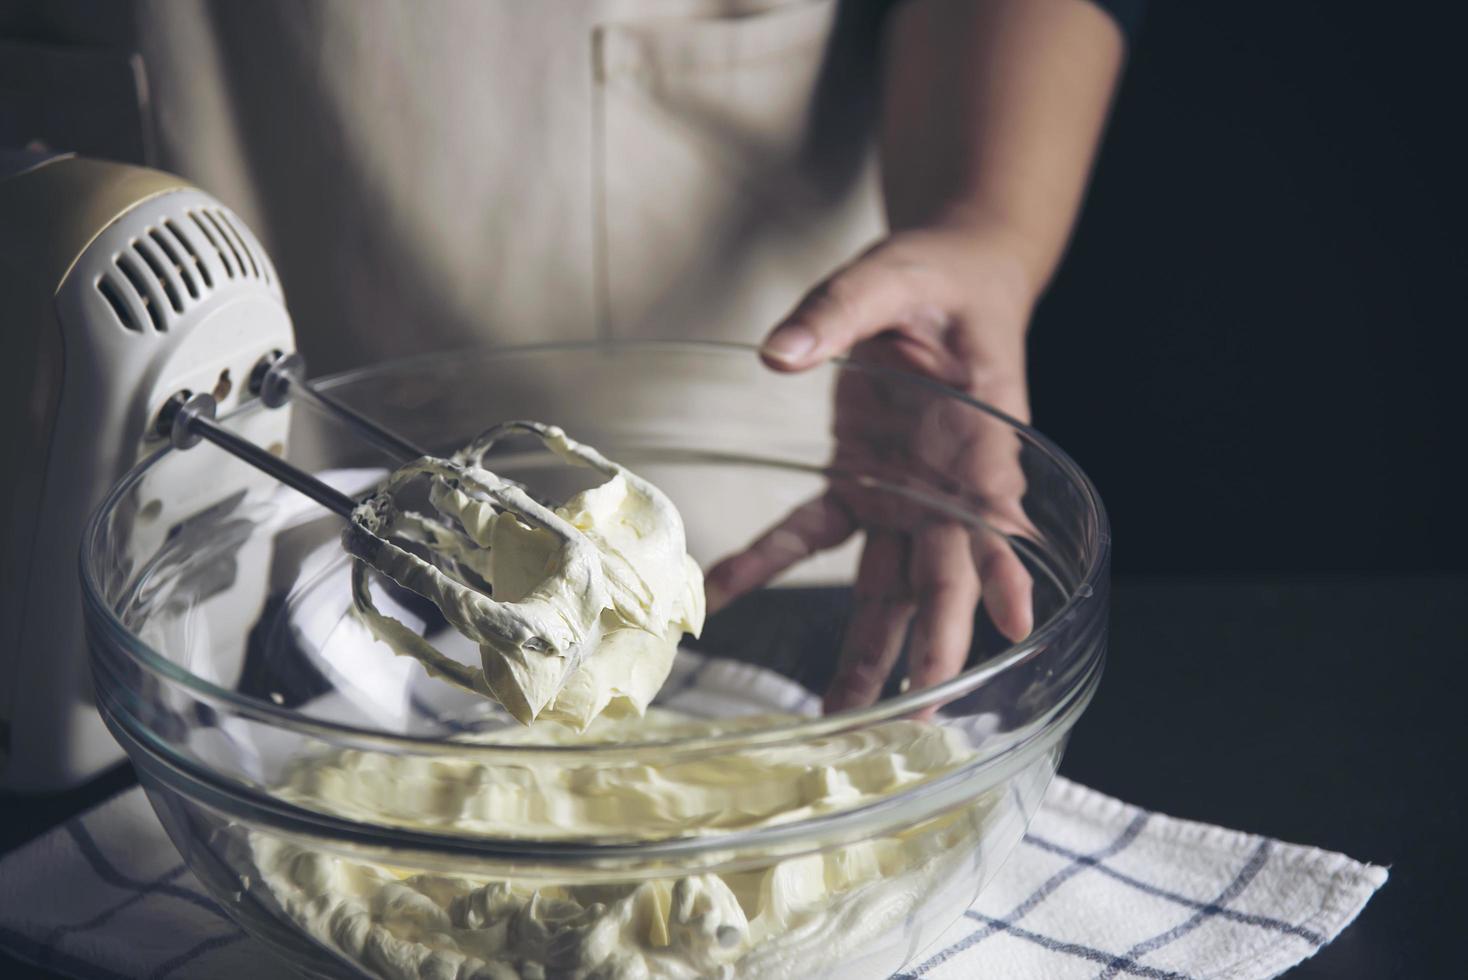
1008,588
981,458
863,299
933,580
816,525
984,454
878,623
946,586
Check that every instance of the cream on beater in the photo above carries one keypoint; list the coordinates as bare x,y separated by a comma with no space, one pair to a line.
589,599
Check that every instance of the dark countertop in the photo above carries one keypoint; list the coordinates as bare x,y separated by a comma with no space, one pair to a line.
1317,710
1321,710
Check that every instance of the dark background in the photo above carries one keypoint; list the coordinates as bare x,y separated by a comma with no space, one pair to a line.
1254,345
1255,350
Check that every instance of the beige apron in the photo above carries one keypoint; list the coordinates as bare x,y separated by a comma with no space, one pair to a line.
433,174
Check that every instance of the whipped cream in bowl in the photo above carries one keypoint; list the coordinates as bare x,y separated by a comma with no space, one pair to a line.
625,598
763,914
665,801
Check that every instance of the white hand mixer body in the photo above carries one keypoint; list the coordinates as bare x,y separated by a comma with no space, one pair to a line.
121,286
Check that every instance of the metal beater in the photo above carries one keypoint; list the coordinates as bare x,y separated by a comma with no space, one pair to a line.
444,558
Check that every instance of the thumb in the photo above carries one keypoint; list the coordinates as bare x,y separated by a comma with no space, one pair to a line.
856,302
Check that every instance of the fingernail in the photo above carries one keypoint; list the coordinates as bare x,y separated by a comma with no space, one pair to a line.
789,344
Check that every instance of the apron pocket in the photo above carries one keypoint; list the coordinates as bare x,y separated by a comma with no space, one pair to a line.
732,166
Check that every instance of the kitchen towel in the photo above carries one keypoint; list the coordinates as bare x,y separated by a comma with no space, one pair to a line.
1097,889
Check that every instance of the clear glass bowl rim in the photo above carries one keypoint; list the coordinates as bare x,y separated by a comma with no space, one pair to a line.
104,616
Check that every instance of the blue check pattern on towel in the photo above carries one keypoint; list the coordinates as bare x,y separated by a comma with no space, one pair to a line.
1096,890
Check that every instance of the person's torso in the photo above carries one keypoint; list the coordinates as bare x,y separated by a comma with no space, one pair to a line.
433,175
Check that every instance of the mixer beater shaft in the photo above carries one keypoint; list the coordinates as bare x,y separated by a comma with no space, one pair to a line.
280,376
187,419
442,557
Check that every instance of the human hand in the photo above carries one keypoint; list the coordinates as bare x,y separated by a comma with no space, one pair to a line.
951,302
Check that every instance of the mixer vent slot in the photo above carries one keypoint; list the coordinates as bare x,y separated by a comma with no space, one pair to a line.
227,257
181,266
114,299
161,278
238,241
200,269
238,259
152,303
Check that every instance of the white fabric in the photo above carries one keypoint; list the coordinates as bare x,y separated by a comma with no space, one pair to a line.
106,896
428,176
1097,888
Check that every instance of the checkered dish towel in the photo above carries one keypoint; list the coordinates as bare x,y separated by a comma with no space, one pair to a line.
1097,889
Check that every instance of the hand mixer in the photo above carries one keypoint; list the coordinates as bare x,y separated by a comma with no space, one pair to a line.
444,560
124,287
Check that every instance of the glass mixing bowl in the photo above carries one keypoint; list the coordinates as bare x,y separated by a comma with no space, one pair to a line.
336,801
